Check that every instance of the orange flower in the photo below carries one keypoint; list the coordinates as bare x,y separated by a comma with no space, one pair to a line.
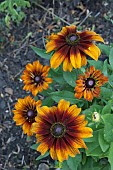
60,130
71,47
35,77
25,113
88,85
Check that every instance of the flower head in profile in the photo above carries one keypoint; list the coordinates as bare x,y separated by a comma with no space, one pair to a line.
25,113
71,47
60,130
35,77
88,85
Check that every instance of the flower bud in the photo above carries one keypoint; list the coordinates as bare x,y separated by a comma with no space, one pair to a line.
96,117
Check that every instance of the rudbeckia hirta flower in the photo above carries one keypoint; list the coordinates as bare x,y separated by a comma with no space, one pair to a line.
88,84
60,130
35,77
71,47
25,113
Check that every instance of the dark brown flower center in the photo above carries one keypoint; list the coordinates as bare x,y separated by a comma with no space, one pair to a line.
37,79
72,39
90,82
31,114
58,130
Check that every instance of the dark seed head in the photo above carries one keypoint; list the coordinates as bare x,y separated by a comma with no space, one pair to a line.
58,130
73,37
90,82
30,113
37,79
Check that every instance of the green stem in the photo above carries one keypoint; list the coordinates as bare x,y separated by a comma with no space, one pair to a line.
59,164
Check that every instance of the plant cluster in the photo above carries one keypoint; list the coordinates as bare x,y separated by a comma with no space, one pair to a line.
71,113
13,10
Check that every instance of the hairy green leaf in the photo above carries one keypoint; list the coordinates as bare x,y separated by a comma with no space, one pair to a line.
42,53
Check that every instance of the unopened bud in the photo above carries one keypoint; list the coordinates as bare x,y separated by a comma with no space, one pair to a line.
96,116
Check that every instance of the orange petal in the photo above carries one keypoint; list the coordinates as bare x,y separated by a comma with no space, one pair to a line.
80,119
48,80
96,92
61,151
26,128
50,46
29,67
72,145
80,143
53,153
63,105
71,28
79,89
45,85
86,33
39,103
91,69
88,95
63,32
83,59
35,127
74,110
34,91
78,95
43,147
43,110
93,51
59,56
67,66
45,69
96,37
84,132
75,57
80,82
67,149
19,120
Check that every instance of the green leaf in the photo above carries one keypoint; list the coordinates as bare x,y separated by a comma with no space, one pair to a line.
66,95
106,109
3,6
34,146
108,129
70,77
98,64
7,20
42,53
28,4
47,101
106,167
106,93
93,147
89,164
73,163
111,80
102,142
65,166
108,132
42,156
105,68
111,57
110,156
57,76
104,48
